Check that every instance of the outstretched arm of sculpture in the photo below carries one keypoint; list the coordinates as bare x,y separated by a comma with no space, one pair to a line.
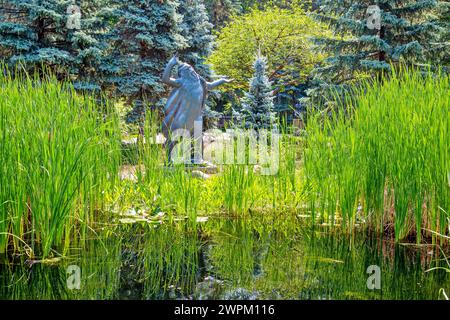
166,75
212,85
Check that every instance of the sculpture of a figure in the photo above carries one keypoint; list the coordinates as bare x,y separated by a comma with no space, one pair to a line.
185,104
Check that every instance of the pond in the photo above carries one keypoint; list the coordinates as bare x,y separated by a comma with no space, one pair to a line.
224,258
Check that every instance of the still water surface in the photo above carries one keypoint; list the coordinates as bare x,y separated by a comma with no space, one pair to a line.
228,259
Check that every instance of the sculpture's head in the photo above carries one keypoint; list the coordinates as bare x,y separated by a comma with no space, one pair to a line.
187,71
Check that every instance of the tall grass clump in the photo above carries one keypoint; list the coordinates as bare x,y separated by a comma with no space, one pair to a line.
58,154
168,186
385,160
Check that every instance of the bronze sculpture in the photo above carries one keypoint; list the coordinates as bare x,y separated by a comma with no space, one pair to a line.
185,104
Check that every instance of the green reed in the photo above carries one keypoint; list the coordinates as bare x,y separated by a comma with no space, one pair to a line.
58,155
246,185
385,160
169,187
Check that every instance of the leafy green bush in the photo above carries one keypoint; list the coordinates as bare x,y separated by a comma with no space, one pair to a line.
282,35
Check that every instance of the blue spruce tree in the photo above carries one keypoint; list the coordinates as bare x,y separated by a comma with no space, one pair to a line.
370,36
257,105
55,34
146,34
96,43
196,29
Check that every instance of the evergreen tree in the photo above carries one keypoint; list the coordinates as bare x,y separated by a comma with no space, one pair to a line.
257,105
441,49
40,34
196,29
95,19
365,45
146,35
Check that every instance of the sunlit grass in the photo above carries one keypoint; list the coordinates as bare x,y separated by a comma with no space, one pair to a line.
59,154
387,157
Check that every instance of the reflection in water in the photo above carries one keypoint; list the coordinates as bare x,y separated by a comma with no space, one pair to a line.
229,259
